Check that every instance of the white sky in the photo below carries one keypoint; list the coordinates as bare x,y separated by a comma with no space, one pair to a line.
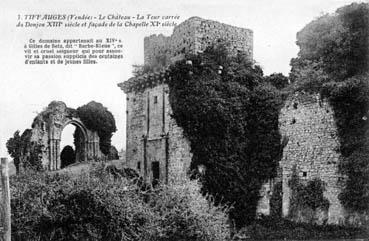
26,90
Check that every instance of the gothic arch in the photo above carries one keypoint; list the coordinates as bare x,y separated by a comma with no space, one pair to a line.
47,129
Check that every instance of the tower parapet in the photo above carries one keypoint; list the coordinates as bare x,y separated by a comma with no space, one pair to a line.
195,35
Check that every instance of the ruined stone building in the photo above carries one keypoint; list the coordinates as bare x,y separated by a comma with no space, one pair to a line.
155,144
157,149
46,132
312,148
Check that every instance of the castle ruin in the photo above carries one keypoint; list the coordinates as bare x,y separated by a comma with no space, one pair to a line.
157,149
46,132
155,144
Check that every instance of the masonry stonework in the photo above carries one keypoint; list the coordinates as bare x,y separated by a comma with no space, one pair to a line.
153,137
156,147
312,148
195,35
46,132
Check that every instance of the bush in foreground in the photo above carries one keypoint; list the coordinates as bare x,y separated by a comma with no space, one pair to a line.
97,206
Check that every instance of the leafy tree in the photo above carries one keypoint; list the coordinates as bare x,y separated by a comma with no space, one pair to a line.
334,61
14,149
350,101
278,80
98,118
31,152
24,152
230,117
336,44
307,75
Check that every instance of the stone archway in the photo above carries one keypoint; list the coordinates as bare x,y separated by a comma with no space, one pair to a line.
47,129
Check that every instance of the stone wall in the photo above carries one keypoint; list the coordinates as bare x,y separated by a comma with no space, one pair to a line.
152,135
313,146
195,35
47,129
135,129
179,150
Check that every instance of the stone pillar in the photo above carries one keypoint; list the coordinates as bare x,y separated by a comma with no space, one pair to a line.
57,156
51,147
97,149
54,147
53,154
92,150
87,151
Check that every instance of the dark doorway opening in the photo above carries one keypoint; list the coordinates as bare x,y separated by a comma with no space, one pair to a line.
67,156
155,173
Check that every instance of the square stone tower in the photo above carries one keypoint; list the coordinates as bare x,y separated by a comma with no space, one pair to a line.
156,147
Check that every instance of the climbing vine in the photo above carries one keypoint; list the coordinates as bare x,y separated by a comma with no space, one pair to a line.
309,195
350,102
333,61
230,116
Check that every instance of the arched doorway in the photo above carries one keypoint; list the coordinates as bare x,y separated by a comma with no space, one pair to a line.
76,142
47,129
72,144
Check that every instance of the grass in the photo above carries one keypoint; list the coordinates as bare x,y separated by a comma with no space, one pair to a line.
268,228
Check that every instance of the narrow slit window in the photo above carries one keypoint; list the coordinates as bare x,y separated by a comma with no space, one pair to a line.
155,99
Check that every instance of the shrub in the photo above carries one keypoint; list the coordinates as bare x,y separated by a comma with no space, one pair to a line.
98,206
269,228
186,215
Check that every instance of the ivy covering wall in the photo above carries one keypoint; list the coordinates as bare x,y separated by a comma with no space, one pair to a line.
230,116
334,61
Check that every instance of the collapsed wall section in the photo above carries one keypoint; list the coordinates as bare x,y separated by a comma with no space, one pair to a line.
312,149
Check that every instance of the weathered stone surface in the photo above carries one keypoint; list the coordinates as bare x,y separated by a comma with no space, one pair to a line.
47,128
152,135
194,35
308,123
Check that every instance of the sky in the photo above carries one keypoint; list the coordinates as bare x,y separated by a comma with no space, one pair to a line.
27,89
